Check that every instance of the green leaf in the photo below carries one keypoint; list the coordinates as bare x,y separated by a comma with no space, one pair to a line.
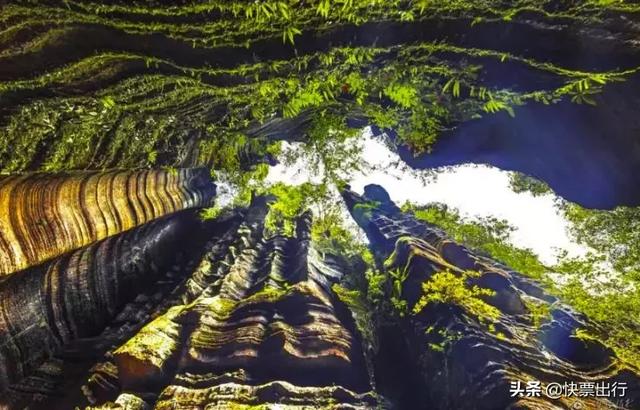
289,33
324,7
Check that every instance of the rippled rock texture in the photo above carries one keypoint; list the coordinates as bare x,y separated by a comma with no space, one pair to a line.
51,305
181,313
46,215
115,294
466,350
250,320
258,325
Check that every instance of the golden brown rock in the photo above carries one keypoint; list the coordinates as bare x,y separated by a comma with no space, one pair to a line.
46,215
272,333
144,358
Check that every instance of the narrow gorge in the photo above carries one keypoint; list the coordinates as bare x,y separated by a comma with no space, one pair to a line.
146,261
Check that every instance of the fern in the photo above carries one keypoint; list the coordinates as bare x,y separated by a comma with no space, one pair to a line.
404,95
494,106
454,85
448,288
289,34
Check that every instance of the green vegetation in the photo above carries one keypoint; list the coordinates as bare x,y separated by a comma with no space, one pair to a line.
330,231
241,406
609,297
615,306
268,294
331,234
191,84
488,235
614,233
376,287
520,182
452,289
332,149
291,201
211,213
605,283
539,311
397,279
139,106
445,338
361,310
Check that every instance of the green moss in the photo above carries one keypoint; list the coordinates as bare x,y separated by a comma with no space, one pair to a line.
268,294
211,213
223,308
240,406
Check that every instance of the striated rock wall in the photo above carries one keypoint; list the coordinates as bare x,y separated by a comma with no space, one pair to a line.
181,313
260,326
466,350
259,323
76,295
252,321
46,215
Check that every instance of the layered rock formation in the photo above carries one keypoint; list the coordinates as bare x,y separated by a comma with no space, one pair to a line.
75,296
46,215
263,328
477,333
255,322
247,317
115,294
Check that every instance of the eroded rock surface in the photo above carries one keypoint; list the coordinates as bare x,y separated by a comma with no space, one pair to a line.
260,327
466,360
181,313
254,322
45,215
58,305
